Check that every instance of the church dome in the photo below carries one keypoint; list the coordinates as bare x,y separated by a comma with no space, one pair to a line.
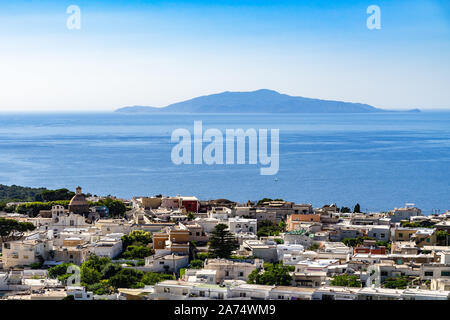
79,204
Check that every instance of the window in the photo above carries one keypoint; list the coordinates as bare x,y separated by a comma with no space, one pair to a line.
166,290
384,273
227,273
400,235
242,294
374,235
428,273
221,296
72,223
161,262
202,293
428,239
445,273
241,273
381,235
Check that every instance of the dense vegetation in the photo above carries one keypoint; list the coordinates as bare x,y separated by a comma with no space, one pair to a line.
346,280
135,245
396,283
442,237
55,195
196,264
101,276
32,208
273,274
11,229
420,224
269,228
116,208
17,193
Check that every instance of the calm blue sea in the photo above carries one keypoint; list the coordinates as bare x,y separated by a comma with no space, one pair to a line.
380,160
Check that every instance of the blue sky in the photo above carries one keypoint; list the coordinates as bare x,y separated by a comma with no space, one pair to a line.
159,52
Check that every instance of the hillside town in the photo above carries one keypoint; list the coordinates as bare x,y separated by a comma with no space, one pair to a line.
183,248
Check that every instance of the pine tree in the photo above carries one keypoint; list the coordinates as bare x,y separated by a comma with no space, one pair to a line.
222,242
357,208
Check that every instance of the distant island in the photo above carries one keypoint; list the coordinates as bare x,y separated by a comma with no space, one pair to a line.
259,101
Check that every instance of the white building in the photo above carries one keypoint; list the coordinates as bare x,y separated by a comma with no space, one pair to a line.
231,269
25,252
200,276
238,225
291,249
108,246
379,232
108,226
62,220
405,213
166,263
208,224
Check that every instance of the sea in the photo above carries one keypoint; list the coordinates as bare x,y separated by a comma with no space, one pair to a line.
379,160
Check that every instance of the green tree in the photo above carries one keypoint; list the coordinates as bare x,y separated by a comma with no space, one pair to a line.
268,228
136,252
136,238
126,278
110,270
89,275
58,194
36,265
116,207
222,242
196,264
190,216
100,288
441,235
357,208
32,208
18,193
353,242
11,229
345,210
274,274
346,280
150,278
97,263
203,256
58,270
396,283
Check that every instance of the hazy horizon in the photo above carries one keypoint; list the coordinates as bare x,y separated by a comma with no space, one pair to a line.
154,53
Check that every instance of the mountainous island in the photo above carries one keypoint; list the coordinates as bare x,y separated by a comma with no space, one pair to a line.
259,101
